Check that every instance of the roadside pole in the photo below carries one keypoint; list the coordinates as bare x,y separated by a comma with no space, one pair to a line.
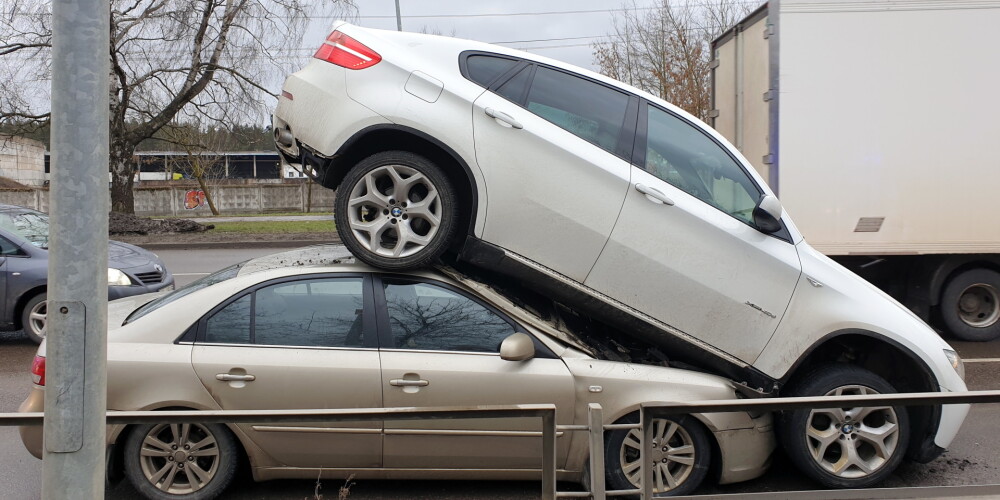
76,352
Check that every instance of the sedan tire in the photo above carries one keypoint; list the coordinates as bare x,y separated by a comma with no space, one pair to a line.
845,447
681,450
33,318
180,461
396,210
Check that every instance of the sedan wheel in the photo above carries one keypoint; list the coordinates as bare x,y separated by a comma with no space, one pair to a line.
679,454
190,461
33,318
395,210
846,447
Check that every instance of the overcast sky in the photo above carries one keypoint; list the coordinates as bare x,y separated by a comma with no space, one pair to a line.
560,29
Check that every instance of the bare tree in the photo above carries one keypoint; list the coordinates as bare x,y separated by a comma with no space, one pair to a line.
665,50
170,59
203,157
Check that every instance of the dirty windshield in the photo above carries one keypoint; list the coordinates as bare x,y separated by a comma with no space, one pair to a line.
30,225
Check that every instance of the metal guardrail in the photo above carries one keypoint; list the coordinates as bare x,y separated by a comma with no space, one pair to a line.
595,429
546,412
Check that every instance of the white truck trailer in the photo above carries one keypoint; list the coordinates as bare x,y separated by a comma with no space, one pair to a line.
875,122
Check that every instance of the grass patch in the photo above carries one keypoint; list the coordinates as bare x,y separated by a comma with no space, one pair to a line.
275,227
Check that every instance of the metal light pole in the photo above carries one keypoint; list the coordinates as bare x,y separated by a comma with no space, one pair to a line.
399,20
76,352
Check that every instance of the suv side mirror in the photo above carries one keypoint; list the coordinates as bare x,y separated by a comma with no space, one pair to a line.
767,215
517,347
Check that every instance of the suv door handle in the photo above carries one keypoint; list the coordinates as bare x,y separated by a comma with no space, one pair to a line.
399,382
503,117
229,377
653,194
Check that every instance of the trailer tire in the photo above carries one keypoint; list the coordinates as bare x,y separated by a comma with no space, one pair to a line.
970,305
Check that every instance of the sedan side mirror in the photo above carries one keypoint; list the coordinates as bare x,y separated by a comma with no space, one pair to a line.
767,215
517,347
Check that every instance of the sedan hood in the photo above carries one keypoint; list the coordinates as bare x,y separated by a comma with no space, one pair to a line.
124,256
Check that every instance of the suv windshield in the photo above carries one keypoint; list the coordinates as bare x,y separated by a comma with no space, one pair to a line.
29,224
216,277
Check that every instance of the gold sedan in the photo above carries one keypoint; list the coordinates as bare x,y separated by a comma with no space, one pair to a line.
303,330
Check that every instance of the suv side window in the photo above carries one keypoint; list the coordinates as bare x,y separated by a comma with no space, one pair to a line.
685,157
483,69
429,317
324,312
589,110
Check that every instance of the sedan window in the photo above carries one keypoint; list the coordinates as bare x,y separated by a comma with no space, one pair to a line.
309,313
429,317
685,157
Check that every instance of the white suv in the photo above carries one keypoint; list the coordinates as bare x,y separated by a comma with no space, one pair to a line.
622,206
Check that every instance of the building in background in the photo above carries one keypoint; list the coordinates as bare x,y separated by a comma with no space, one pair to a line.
23,160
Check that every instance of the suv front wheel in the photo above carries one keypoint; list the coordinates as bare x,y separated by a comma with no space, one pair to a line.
396,210
845,447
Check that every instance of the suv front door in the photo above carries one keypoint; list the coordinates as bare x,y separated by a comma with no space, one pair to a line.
685,250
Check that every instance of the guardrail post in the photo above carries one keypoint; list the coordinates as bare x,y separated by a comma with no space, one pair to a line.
595,421
646,484
549,455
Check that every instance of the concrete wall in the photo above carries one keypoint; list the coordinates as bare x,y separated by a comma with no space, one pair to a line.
22,160
231,200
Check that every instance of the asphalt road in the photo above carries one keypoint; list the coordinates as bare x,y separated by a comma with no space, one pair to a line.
970,460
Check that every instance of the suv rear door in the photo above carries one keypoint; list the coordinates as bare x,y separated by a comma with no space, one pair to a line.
552,147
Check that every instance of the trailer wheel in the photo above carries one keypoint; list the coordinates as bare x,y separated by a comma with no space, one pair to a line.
970,305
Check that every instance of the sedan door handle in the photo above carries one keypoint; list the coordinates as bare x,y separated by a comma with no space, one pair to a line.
229,377
399,382
503,117
653,194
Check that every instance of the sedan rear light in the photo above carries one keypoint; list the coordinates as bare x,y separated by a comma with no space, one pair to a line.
347,52
38,370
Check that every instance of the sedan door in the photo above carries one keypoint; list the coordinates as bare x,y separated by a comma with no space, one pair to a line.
444,351
298,344
685,250
551,146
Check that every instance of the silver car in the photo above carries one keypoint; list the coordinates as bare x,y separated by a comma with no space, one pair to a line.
304,330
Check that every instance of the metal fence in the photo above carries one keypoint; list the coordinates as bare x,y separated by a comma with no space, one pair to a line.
595,428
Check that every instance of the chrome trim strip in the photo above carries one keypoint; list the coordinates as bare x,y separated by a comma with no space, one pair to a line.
447,432
442,351
268,346
325,430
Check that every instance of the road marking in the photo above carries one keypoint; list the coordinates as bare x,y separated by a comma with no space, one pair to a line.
191,274
982,360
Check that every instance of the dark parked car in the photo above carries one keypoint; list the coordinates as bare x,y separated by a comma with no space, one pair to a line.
24,267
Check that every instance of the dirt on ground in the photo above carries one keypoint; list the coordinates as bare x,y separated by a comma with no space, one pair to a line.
119,224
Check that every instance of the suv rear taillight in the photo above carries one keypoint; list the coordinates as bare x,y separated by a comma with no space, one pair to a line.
347,52
38,370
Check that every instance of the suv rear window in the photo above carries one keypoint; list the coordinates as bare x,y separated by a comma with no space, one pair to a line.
483,69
